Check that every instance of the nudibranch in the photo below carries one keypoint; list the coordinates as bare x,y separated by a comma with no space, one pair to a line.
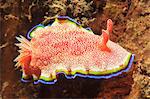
64,46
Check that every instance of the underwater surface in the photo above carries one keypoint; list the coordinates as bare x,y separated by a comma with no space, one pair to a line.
130,30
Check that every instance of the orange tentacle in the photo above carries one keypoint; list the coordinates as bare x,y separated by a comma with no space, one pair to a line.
105,38
109,25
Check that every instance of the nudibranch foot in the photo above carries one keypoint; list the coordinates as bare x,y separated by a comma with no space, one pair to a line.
79,74
65,47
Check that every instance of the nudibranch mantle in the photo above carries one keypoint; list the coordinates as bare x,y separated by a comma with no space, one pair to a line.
66,47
